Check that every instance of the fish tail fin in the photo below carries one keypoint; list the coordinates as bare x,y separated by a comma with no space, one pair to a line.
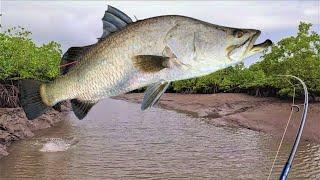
81,108
30,98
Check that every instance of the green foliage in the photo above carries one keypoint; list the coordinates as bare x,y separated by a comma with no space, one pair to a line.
20,58
296,55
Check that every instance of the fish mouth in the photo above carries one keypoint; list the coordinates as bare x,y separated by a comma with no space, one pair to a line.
261,46
256,48
250,47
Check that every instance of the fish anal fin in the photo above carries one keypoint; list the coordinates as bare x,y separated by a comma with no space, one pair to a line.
153,94
81,108
150,63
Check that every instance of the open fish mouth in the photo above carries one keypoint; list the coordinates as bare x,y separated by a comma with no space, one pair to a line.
250,47
261,46
255,48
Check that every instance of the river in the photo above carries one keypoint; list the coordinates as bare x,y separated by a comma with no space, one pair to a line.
118,141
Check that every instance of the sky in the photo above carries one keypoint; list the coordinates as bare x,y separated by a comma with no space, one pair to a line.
77,23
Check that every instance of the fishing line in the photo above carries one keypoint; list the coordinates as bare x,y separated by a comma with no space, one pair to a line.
285,130
67,64
287,167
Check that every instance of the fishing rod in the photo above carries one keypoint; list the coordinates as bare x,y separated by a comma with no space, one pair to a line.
287,167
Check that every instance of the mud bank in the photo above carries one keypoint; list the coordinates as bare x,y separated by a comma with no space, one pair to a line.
268,115
15,126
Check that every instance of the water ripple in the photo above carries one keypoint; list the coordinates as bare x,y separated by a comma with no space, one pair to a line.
118,141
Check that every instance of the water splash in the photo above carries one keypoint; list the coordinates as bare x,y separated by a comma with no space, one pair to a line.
57,145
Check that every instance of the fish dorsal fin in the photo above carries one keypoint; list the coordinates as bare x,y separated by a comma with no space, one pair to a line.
114,20
71,57
153,94
81,108
119,14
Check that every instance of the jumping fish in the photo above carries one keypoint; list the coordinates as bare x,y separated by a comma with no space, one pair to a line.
151,52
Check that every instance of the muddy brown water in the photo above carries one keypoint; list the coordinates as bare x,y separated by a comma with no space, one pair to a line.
118,141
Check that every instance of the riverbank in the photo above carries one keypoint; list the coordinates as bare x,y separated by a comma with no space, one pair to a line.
268,115
15,126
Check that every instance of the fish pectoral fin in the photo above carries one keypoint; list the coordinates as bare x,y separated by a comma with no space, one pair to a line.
150,63
81,108
153,94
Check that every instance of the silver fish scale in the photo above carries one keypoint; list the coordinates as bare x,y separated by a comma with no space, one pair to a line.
107,69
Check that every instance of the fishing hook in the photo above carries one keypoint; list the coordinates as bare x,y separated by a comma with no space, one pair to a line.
295,107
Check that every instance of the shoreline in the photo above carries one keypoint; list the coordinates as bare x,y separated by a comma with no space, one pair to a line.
14,125
267,115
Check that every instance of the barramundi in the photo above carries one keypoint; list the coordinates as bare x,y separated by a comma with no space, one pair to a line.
146,53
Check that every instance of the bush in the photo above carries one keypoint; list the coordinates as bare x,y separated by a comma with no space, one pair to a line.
20,58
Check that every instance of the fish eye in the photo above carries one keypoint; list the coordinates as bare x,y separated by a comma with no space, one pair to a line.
238,33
